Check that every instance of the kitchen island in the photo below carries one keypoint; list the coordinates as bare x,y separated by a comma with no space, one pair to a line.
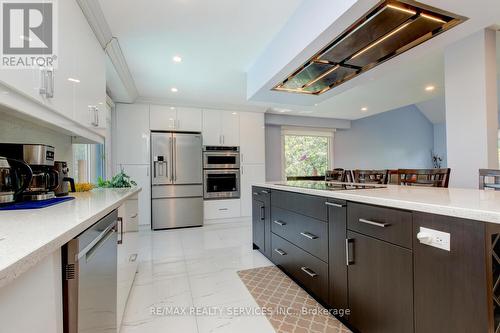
401,259
30,256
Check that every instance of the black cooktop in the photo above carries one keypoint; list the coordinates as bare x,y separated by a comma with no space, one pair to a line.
329,186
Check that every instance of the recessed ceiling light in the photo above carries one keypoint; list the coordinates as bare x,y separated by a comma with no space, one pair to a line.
174,89
177,59
430,88
172,108
73,80
364,109
315,104
235,113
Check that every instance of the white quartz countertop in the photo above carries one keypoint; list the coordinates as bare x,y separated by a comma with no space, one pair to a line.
471,204
28,236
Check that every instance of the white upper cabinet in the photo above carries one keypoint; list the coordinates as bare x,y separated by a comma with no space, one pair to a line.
189,119
250,175
132,134
221,128
252,138
78,81
164,118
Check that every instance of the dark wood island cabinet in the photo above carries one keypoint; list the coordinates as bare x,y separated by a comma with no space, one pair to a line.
367,259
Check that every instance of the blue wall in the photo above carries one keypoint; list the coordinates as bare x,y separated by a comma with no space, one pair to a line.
402,138
440,141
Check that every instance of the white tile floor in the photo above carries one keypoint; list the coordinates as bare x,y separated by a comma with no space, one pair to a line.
194,267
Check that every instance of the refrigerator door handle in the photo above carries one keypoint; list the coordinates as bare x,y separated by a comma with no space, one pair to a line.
174,164
170,178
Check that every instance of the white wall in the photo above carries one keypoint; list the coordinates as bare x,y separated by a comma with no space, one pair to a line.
16,130
402,138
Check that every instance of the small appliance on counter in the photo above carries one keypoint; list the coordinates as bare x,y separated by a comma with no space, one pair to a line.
15,177
221,172
40,158
62,170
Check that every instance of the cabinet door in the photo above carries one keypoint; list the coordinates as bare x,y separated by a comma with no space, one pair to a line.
90,70
189,119
230,128
212,128
258,225
140,174
250,174
162,117
337,224
380,280
252,137
132,134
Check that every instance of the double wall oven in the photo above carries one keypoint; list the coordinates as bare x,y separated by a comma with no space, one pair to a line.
221,172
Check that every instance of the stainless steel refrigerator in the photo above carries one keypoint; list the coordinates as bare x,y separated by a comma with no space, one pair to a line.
176,182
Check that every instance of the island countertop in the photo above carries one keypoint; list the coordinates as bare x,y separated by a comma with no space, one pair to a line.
474,204
28,236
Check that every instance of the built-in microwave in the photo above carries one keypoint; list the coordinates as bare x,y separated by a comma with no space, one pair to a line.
221,157
221,184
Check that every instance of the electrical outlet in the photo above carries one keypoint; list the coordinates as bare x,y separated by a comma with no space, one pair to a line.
435,238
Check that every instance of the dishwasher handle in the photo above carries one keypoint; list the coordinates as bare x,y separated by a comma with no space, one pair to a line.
97,242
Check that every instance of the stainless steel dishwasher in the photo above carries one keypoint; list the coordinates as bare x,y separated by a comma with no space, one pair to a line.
89,278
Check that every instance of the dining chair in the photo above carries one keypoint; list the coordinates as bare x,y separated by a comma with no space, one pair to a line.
335,175
367,176
485,175
424,177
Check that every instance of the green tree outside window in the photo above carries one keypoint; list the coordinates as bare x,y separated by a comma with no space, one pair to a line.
306,155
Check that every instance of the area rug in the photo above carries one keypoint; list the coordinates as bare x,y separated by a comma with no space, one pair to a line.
287,306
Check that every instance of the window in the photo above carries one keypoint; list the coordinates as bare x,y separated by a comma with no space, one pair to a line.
88,161
306,153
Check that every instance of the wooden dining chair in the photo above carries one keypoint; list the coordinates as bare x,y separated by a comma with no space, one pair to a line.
484,179
424,177
335,175
368,176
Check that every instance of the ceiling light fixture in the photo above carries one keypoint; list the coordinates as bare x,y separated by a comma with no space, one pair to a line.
381,40
409,11
331,70
73,80
433,18
177,59
430,88
172,108
364,109
174,90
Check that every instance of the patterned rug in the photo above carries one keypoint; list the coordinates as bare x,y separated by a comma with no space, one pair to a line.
287,306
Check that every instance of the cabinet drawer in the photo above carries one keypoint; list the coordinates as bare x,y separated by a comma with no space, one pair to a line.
304,204
311,272
221,209
305,232
391,225
262,194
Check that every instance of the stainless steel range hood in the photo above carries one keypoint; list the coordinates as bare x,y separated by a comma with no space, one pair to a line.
386,31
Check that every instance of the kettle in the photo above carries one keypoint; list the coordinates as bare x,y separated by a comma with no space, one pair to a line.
62,170
15,177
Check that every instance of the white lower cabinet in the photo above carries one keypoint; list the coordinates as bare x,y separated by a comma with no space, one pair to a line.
221,209
33,301
250,175
128,252
141,175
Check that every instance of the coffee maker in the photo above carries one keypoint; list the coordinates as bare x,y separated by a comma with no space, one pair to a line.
40,158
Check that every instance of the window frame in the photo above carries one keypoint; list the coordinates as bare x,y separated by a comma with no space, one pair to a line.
306,131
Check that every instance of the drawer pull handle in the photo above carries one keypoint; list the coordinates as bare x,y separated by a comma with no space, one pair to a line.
349,260
308,271
334,205
265,192
223,209
255,193
377,224
308,235
280,252
279,223
134,216
133,257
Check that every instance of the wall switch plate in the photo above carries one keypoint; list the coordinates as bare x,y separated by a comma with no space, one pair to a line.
435,238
